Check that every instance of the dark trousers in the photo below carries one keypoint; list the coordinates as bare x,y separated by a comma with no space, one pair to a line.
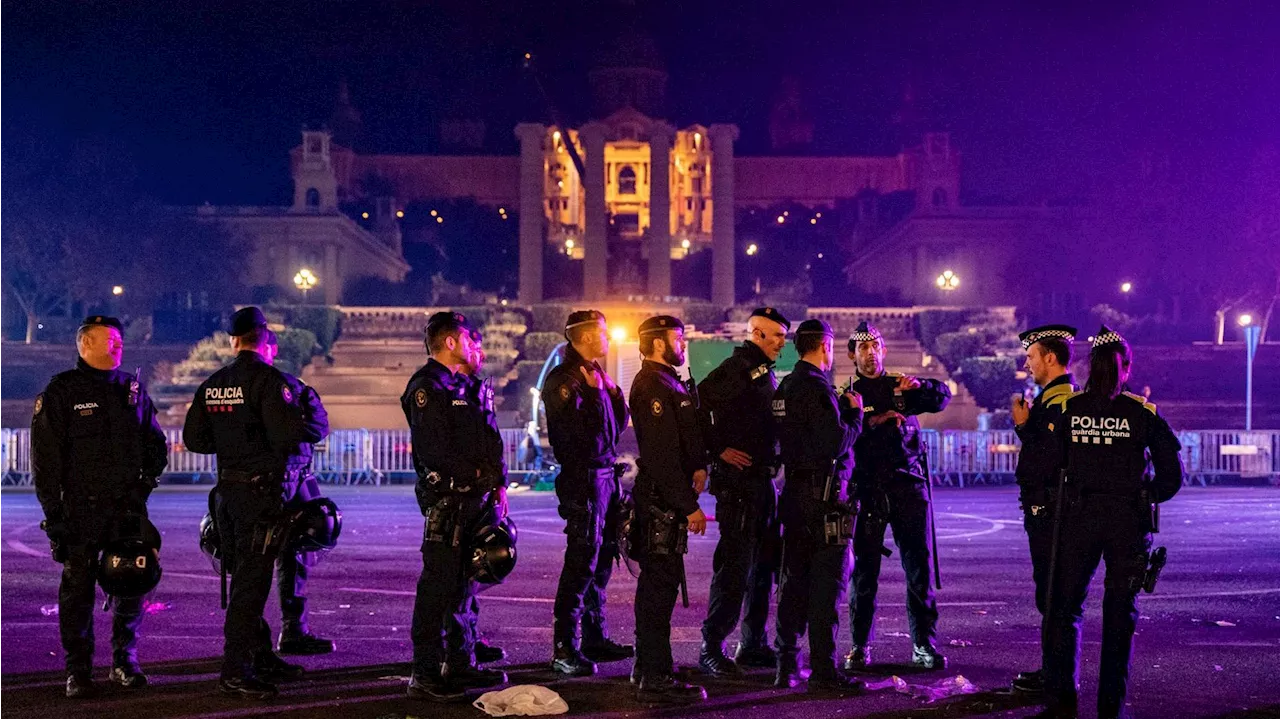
77,596
908,514
745,560
814,577
587,500
1110,530
1040,540
443,628
292,568
243,512
656,591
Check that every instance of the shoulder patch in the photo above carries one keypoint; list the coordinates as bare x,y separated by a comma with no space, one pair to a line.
1149,406
656,407
564,392
759,372
286,393
420,398
39,404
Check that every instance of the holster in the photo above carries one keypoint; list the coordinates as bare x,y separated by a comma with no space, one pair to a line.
442,525
668,533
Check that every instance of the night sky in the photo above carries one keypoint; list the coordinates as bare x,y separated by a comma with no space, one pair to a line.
205,99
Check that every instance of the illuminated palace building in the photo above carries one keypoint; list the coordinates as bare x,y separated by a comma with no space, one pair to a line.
653,193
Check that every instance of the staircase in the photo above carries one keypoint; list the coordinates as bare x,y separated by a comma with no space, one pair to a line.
362,387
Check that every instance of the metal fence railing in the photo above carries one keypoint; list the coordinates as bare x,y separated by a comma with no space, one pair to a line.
956,457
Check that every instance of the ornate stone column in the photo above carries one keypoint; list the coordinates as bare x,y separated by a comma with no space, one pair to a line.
532,217
722,245
658,236
595,240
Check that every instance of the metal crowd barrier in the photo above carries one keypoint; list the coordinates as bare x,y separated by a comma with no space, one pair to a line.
956,457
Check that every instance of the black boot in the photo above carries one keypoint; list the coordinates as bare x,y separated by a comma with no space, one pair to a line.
858,659
607,650
713,661
924,655
248,688
297,639
834,681
80,685
788,676
465,677
269,666
433,688
666,690
758,657
1029,682
569,662
486,653
128,675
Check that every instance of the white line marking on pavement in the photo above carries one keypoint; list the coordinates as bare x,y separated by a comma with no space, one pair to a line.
21,547
1206,595
972,604
995,526
487,597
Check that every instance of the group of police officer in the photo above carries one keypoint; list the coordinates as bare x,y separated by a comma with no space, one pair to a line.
853,462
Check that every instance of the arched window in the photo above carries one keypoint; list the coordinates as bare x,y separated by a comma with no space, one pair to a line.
939,197
313,197
626,181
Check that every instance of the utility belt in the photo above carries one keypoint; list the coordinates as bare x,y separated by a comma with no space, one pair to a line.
229,477
441,484
727,479
839,518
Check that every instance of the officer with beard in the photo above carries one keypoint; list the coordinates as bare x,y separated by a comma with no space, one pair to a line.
1110,438
586,416
96,450
740,435
891,477
252,416
458,455
673,471
1048,351
818,431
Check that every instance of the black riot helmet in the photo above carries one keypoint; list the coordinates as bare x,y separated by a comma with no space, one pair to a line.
493,551
210,542
315,526
130,562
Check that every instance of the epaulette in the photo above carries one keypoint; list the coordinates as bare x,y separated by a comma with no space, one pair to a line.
1149,406
1057,394
894,375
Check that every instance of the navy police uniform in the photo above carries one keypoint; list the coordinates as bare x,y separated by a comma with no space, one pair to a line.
736,398
817,432
458,455
252,416
96,451
1108,444
671,452
584,425
891,476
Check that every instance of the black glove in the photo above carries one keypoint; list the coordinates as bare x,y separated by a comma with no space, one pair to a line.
1035,503
59,534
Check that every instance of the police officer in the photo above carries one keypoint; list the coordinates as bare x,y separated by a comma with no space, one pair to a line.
1048,351
891,478
96,450
253,417
480,391
457,452
292,568
817,430
740,436
1109,439
586,416
672,472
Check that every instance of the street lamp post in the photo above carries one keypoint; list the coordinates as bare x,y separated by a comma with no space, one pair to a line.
304,280
1252,333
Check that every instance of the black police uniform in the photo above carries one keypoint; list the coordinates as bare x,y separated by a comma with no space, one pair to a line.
292,568
457,452
890,479
817,434
584,425
251,416
480,391
96,450
1107,517
1037,475
671,452
738,394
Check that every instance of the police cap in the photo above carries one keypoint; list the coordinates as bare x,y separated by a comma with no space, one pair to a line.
770,313
1107,336
1036,334
246,320
660,323
102,321
815,327
865,332
581,318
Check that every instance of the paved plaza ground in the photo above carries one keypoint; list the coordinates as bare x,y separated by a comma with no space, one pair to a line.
1208,644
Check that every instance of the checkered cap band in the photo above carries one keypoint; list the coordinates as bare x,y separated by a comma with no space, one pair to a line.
1033,337
1105,337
